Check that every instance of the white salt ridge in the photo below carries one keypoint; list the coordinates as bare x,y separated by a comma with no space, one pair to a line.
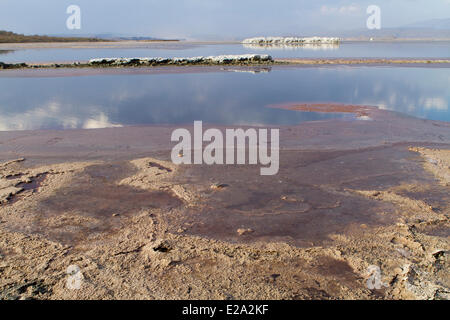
290,40
210,59
292,46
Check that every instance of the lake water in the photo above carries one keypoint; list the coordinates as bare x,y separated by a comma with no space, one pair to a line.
219,97
346,49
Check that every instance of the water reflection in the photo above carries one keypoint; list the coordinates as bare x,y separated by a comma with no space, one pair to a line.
54,115
216,97
252,70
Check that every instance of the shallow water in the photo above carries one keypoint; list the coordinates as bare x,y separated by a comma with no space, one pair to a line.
239,98
94,193
346,49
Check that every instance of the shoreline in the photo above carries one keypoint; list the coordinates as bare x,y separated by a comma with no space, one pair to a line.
272,62
126,43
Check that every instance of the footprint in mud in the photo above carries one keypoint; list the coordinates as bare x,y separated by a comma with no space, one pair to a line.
34,184
20,189
54,141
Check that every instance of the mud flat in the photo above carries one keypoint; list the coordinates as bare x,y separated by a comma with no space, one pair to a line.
366,62
350,195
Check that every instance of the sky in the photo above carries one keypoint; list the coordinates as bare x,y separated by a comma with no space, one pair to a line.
222,19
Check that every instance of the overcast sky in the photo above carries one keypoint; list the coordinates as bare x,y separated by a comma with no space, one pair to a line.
203,18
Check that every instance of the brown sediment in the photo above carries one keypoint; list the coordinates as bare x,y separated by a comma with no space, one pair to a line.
359,110
349,195
363,61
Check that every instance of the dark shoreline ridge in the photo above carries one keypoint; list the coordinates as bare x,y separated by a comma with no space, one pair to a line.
12,37
245,59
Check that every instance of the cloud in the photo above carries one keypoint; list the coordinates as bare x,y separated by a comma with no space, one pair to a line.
52,115
343,10
101,121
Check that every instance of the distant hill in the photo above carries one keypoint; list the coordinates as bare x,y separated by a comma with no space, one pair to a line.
129,37
437,24
396,33
114,37
11,37
436,29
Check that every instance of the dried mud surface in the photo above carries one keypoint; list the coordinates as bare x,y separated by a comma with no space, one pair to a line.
350,195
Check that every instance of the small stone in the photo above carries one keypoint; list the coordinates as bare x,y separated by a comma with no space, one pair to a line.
275,276
398,270
116,214
242,231
218,186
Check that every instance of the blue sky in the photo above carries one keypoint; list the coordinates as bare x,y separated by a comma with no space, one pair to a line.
209,18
